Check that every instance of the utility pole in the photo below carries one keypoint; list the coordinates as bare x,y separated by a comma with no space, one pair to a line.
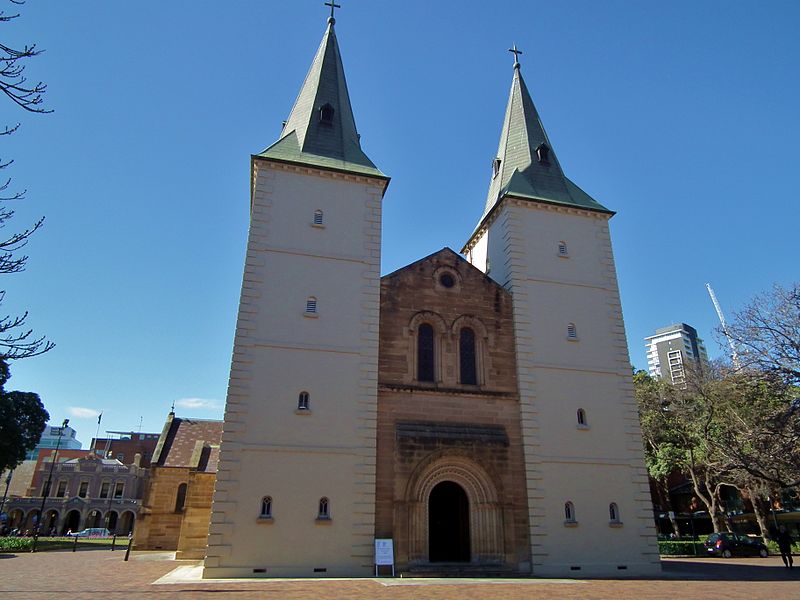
46,490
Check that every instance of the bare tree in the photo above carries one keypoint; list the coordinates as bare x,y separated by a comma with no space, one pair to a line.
767,333
16,341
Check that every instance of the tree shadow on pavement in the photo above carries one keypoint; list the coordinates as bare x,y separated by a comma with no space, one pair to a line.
728,571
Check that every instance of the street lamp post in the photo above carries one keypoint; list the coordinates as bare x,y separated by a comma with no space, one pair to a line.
46,490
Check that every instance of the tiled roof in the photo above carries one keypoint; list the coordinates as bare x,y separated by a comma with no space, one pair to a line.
179,439
332,142
526,164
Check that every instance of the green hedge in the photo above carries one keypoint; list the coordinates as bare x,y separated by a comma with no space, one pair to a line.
680,548
23,544
15,544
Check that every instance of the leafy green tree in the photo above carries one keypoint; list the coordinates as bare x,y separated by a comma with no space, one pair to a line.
22,420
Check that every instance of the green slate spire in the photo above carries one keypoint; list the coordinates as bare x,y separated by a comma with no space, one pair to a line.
526,166
321,130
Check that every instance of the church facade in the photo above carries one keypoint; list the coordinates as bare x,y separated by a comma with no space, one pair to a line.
476,409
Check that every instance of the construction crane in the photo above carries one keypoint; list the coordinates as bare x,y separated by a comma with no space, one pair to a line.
718,308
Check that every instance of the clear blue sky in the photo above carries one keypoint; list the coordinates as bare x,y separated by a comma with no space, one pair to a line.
682,116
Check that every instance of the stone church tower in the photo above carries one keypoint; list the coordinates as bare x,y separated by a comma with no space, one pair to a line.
547,242
478,412
295,491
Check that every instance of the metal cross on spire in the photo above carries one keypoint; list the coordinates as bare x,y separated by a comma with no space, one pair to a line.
516,54
333,6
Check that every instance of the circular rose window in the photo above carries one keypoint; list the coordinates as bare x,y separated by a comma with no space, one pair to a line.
446,279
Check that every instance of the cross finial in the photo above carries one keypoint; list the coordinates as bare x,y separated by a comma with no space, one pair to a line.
333,6
516,54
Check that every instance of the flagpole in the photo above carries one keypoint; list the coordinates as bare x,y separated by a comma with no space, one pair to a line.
97,433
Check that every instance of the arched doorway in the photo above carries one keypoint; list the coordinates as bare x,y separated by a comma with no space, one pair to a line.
448,522
95,519
17,516
31,521
50,523
111,520
72,522
480,519
126,523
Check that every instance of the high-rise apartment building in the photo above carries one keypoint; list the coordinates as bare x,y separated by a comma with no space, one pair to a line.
672,349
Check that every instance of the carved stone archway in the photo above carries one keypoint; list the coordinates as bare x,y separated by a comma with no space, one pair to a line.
485,514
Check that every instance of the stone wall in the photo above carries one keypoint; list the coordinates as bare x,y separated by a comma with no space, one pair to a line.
159,525
443,430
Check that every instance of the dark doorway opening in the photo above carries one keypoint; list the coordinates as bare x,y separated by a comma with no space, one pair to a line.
72,522
448,519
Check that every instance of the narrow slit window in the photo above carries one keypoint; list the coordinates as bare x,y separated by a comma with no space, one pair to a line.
324,509
425,352
572,331
303,401
543,153
582,417
266,507
466,347
613,512
326,114
318,216
569,512
496,167
180,497
311,305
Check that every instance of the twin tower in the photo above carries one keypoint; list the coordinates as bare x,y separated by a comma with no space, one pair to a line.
477,411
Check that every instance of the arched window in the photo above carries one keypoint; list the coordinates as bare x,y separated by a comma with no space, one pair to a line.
180,497
324,509
302,401
466,349
613,512
572,331
582,418
318,216
562,248
425,353
311,305
266,507
569,512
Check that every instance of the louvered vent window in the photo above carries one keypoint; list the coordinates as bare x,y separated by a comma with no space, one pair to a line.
318,217
495,167
572,331
311,305
581,417
562,248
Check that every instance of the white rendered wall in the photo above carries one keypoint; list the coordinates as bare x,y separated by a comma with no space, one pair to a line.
589,466
269,448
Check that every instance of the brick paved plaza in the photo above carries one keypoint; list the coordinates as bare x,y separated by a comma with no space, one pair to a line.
103,574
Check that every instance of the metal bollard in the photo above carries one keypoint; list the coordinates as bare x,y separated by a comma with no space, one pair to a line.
130,543
75,545
113,541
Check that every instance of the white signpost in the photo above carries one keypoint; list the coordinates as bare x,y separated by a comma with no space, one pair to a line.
384,554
